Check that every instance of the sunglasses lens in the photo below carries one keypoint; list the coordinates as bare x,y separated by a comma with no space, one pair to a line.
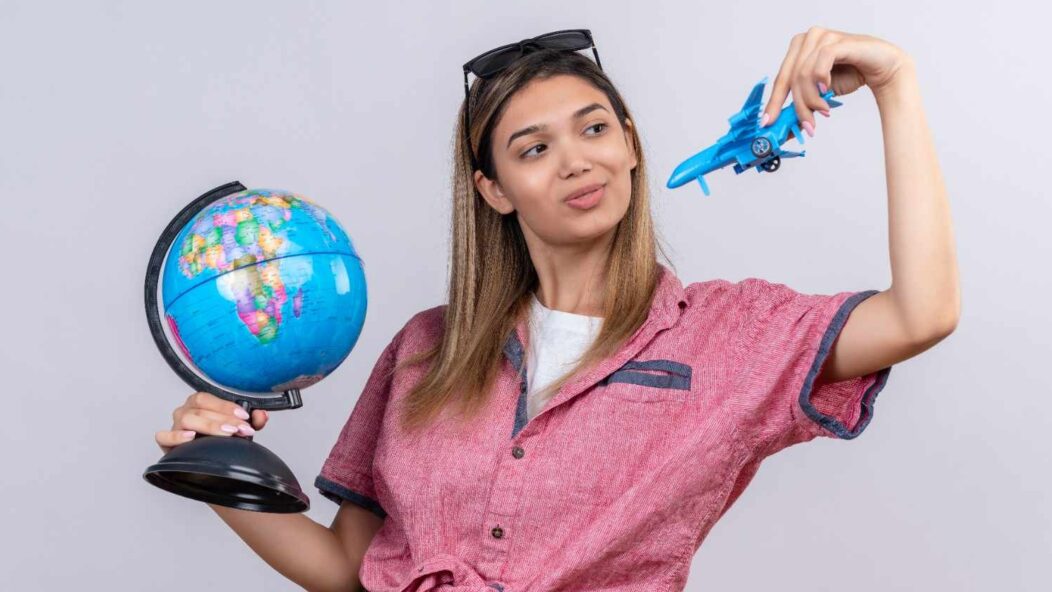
566,40
492,63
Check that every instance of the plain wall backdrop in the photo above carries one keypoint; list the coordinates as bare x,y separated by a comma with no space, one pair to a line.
114,115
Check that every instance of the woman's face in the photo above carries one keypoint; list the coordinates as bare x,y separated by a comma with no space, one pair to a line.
557,136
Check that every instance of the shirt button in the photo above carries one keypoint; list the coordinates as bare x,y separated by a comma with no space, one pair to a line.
517,452
497,532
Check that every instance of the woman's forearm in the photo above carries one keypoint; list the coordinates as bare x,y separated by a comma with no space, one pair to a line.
299,548
925,282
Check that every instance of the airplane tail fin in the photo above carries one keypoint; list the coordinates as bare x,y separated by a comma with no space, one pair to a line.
751,108
828,98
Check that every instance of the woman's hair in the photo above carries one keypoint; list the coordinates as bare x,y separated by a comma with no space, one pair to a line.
492,278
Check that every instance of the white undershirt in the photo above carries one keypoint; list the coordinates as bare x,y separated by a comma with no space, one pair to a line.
557,340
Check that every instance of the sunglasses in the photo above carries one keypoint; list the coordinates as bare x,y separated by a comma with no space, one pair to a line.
494,61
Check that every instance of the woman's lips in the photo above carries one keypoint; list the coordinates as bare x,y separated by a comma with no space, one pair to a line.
588,200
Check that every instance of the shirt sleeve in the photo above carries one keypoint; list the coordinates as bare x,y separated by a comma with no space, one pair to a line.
785,340
347,473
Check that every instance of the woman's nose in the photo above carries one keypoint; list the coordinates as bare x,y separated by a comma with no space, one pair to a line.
575,161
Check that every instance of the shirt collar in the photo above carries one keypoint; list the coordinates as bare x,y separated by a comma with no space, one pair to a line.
669,299
665,308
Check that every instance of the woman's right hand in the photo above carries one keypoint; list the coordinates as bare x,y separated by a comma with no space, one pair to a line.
205,413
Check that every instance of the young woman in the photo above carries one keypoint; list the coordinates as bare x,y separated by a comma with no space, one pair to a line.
575,418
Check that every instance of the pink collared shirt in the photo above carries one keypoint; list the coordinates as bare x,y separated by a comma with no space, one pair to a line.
616,482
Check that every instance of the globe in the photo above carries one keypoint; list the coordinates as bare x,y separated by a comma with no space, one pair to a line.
263,292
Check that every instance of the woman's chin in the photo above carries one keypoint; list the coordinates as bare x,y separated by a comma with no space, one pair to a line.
590,231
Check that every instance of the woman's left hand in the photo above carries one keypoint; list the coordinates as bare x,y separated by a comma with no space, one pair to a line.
833,59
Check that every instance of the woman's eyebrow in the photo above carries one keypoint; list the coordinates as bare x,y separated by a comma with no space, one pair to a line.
539,127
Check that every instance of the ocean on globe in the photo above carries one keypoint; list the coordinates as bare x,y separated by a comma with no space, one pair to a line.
264,292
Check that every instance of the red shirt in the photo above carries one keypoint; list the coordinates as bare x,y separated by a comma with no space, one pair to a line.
617,480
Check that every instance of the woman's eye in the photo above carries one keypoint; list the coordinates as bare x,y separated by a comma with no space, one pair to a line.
593,126
528,151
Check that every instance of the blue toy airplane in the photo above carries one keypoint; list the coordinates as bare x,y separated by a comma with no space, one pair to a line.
746,144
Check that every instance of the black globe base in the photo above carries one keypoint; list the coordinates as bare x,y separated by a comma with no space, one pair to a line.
229,471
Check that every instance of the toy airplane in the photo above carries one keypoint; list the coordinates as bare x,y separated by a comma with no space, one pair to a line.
746,144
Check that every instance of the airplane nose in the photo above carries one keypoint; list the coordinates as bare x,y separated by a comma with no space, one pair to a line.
680,176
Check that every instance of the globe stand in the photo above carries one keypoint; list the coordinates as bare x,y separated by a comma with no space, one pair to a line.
230,471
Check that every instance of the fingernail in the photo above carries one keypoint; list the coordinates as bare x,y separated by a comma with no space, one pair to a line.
240,412
246,429
810,129
765,119
822,87
228,428
187,435
265,414
824,112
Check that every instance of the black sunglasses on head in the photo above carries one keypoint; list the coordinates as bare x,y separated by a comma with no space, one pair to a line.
494,61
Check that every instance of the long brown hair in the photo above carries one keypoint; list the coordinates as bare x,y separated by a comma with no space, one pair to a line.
492,278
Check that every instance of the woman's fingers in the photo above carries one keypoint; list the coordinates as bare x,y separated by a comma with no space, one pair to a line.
205,413
211,423
212,407
808,62
211,402
168,439
813,77
822,67
201,421
221,419
783,80
804,88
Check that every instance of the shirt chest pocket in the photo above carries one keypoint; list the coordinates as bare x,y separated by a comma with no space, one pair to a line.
648,381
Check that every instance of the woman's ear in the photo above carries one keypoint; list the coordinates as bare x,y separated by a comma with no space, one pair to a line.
493,194
631,144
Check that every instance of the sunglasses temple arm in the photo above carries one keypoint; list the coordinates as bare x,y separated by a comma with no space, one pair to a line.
595,52
467,96
467,133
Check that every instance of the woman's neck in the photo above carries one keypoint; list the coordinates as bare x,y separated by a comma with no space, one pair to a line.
572,278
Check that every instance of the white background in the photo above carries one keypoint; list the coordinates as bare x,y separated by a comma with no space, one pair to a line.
114,115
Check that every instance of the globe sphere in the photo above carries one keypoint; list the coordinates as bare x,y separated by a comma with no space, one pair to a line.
263,292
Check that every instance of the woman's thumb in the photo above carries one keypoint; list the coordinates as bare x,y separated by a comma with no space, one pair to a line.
259,418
